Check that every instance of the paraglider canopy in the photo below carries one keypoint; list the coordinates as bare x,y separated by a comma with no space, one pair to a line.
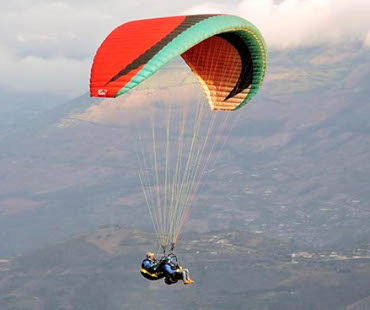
226,53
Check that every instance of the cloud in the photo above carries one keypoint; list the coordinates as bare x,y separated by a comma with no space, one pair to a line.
54,29
50,44
300,23
59,76
48,47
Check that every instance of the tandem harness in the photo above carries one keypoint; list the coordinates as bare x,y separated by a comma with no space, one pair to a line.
152,273
151,276
155,272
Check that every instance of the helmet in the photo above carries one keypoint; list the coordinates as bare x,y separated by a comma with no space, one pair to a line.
150,255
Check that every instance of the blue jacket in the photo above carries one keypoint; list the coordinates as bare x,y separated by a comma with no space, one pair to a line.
147,263
168,269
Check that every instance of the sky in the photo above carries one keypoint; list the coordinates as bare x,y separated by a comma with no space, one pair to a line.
47,46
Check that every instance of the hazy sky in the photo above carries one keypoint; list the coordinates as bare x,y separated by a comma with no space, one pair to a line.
48,46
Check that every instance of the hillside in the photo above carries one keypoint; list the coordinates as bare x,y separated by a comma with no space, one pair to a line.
232,270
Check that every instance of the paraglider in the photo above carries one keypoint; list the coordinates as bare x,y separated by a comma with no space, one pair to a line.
227,55
150,267
167,267
174,272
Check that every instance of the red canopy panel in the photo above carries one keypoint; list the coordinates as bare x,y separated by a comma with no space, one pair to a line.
122,47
